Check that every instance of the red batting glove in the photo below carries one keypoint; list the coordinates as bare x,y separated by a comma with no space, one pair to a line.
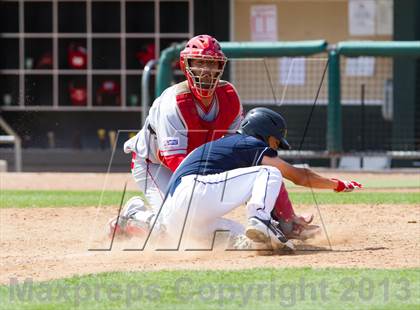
346,186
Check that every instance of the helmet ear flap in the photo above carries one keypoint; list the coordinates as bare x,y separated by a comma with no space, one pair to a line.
244,124
284,144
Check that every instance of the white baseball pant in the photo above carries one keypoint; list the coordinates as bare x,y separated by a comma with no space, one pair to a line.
201,201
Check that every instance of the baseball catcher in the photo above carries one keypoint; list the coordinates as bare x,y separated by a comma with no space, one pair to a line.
201,109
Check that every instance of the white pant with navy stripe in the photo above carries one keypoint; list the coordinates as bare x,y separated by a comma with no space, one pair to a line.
201,201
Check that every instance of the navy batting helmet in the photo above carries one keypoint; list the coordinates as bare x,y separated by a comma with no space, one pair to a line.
262,123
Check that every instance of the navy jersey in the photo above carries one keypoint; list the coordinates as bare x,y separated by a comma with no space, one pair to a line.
228,153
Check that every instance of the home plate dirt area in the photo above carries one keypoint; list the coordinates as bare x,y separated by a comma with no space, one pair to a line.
49,243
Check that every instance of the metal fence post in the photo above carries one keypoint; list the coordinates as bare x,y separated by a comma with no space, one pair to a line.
334,123
164,74
145,87
18,154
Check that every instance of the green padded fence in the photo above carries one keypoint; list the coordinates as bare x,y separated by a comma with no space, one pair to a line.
255,82
379,48
404,54
334,132
401,50
239,50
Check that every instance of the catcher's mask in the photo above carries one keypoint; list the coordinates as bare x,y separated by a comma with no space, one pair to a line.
202,62
262,123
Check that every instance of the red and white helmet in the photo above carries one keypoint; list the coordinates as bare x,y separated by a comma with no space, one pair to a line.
203,47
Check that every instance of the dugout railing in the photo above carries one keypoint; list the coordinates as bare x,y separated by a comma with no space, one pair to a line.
12,137
358,107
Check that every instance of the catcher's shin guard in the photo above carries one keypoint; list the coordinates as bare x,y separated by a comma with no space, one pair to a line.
134,205
127,227
126,224
267,231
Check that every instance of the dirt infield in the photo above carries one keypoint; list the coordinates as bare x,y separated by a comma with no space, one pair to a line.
48,243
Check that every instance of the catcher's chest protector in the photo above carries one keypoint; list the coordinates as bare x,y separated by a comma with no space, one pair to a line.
200,131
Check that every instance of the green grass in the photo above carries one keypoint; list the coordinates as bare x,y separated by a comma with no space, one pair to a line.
39,199
290,288
374,182
409,181
372,198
